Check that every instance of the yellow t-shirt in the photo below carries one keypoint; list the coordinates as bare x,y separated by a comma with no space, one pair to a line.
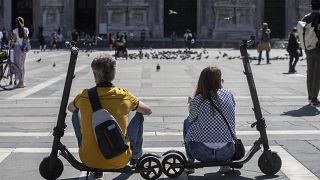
119,102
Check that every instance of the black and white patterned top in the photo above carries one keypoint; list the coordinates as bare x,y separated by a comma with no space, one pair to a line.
207,124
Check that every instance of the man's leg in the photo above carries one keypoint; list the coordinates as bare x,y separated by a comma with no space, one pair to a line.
290,64
310,66
295,63
259,59
316,79
135,134
267,56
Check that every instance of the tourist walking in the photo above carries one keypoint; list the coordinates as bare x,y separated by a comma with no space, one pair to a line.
293,50
20,41
110,40
264,44
311,45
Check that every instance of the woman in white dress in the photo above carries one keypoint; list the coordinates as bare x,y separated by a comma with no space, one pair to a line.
20,42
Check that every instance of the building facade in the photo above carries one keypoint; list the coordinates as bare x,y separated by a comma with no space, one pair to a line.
208,19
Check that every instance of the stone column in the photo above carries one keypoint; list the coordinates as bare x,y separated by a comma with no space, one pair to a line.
7,17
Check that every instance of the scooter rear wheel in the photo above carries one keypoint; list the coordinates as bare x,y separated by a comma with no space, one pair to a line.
150,168
56,170
270,168
169,165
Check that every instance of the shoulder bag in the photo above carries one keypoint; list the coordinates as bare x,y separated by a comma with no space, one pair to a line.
239,147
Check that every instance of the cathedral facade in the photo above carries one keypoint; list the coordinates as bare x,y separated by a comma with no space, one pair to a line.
208,19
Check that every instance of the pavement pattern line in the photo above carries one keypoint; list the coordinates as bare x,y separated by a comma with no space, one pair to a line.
155,133
42,85
172,97
292,168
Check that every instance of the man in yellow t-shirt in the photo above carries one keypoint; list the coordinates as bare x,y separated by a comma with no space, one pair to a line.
119,102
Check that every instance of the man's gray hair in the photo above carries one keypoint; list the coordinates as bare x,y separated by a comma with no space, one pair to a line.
104,67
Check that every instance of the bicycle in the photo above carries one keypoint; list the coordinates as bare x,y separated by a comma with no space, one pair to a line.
10,73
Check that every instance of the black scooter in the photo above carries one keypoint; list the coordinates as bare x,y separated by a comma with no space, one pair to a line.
175,162
51,167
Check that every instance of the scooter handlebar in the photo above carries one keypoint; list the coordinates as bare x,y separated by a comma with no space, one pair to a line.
72,46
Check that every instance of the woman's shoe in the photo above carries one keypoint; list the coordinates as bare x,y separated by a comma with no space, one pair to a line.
21,85
224,169
189,170
97,175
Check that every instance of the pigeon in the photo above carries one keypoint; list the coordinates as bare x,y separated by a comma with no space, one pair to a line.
217,57
158,67
224,55
54,64
206,57
39,60
228,18
88,54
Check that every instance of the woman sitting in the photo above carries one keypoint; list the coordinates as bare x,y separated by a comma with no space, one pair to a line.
206,134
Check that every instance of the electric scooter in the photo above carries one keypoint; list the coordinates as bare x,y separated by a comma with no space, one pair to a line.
174,162
51,167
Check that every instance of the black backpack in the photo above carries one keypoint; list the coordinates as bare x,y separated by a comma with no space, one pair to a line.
107,131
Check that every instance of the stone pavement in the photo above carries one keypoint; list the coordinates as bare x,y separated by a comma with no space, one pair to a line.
27,116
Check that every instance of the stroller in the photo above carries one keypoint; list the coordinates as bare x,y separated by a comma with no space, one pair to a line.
121,49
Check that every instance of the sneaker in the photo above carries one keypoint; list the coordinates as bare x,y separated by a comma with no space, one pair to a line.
224,169
21,85
133,162
315,103
97,175
268,62
189,170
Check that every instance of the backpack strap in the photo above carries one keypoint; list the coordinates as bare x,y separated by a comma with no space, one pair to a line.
94,99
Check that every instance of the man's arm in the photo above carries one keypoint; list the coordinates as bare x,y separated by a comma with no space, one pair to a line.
143,108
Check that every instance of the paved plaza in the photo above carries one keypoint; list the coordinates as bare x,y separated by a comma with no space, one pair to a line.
28,115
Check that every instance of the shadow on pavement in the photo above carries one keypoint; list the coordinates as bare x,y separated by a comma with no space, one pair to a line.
121,176
303,111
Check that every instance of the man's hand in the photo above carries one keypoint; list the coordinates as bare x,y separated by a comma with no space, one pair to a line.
72,107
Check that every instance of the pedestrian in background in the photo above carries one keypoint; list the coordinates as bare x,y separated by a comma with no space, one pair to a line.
173,38
110,40
293,50
313,55
59,39
42,42
1,37
142,38
53,40
20,41
188,38
264,44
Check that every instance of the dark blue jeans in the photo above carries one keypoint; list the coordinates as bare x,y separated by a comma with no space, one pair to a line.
134,130
197,150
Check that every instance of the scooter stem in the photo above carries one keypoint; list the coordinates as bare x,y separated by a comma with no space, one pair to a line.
261,126
58,131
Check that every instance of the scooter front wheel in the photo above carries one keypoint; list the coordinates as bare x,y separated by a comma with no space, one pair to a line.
267,167
54,172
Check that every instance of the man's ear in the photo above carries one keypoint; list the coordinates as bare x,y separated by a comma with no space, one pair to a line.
95,77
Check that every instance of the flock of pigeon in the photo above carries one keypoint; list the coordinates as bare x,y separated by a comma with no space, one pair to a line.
170,55
183,55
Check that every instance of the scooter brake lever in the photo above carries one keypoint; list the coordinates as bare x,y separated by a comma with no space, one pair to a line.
254,124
